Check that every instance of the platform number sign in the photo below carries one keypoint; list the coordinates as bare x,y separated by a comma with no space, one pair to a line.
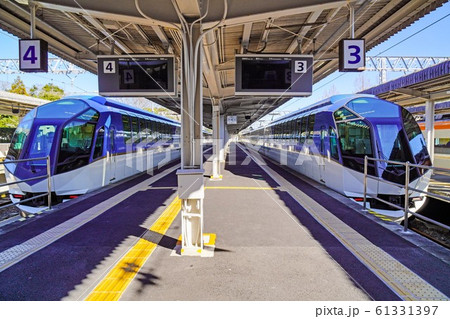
352,55
33,55
300,66
109,67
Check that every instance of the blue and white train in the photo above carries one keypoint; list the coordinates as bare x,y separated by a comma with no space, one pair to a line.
91,141
328,142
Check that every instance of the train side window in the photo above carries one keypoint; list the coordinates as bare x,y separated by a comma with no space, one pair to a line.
304,129
344,114
112,144
311,121
355,141
416,139
297,124
98,150
166,131
158,130
154,133
323,136
76,145
291,129
141,130
148,132
333,143
126,128
90,115
135,129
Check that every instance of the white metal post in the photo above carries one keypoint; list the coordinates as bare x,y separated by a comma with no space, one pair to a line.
222,138
405,218
49,183
352,21
190,176
429,127
216,143
32,19
365,183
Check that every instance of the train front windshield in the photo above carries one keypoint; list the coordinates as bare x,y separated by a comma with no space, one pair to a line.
398,137
43,136
36,133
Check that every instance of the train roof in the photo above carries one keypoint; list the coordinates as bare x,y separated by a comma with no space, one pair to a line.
103,104
330,104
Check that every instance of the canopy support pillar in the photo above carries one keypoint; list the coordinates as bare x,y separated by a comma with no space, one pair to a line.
429,127
190,177
216,143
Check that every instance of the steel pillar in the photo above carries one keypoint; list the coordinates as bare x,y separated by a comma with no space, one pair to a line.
190,176
32,19
216,143
429,127
352,21
222,138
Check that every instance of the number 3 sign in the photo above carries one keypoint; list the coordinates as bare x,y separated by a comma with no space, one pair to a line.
33,55
352,55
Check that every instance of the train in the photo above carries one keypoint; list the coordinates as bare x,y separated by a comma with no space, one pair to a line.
329,140
441,138
91,141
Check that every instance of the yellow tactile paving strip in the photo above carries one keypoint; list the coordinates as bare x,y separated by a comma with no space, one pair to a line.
118,279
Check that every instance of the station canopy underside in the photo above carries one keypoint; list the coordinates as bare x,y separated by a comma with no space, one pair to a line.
80,30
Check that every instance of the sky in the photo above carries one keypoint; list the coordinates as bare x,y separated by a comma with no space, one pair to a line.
432,41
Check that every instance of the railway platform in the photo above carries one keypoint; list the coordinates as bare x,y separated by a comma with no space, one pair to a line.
271,235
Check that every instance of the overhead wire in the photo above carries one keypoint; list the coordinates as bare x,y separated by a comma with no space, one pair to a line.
392,46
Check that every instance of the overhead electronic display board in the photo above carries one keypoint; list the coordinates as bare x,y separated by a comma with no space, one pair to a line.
274,74
136,75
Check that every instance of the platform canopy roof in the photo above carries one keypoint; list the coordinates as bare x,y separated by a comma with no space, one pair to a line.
80,30
414,89
18,104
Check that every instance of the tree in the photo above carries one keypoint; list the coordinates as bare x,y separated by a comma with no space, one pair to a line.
10,121
18,87
34,90
330,92
50,92
361,83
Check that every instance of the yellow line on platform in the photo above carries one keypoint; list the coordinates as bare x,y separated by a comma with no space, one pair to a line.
238,187
118,279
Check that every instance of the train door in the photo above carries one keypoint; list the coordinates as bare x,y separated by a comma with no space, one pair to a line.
324,147
112,155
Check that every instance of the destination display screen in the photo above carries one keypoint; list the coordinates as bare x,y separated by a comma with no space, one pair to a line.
266,74
137,75
273,74
143,74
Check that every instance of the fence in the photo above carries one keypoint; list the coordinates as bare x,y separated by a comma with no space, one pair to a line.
48,176
406,188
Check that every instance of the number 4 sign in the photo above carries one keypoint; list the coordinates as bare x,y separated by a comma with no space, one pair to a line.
33,55
352,55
